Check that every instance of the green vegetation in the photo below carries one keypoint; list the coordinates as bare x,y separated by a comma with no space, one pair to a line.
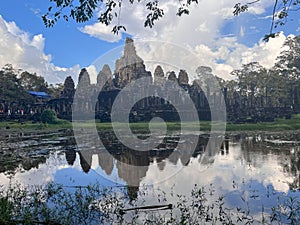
11,89
277,125
29,126
93,204
15,83
48,116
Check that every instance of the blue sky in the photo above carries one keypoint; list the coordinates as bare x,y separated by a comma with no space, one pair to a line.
64,42
221,40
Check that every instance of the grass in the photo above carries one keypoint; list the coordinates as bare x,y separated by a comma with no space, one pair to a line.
277,125
59,124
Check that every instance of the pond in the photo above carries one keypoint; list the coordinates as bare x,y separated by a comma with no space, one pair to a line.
254,172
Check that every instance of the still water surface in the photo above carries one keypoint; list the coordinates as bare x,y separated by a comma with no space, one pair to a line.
247,168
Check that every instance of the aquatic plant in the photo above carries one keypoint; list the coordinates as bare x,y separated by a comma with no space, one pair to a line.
94,204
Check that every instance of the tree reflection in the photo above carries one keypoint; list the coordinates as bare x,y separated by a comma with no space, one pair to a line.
258,148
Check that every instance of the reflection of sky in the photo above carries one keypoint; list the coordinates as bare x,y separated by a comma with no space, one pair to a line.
41,175
74,177
233,178
56,169
225,170
257,182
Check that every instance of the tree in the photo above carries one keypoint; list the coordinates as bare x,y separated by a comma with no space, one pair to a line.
277,89
251,80
48,116
205,78
32,82
288,62
288,67
11,89
55,90
254,83
280,14
84,10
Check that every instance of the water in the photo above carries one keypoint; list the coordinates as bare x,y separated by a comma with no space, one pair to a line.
251,171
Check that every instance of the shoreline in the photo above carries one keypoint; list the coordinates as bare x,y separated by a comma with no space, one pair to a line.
280,125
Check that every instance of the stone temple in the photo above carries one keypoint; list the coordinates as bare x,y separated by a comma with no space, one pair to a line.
93,101
96,100
90,101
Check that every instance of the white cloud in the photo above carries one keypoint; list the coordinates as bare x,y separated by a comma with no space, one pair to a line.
18,48
101,31
203,27
234,54
198,32
38,41
43,174
93,73
265,52
242,31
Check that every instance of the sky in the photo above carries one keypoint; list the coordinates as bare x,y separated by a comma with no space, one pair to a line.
210,34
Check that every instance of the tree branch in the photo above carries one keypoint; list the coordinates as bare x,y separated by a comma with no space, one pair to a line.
273,16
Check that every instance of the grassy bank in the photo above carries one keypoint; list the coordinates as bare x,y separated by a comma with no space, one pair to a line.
28,125
277,125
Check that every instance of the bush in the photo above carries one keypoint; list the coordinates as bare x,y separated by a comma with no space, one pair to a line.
48,116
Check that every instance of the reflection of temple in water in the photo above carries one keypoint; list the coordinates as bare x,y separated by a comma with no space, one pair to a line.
132,165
